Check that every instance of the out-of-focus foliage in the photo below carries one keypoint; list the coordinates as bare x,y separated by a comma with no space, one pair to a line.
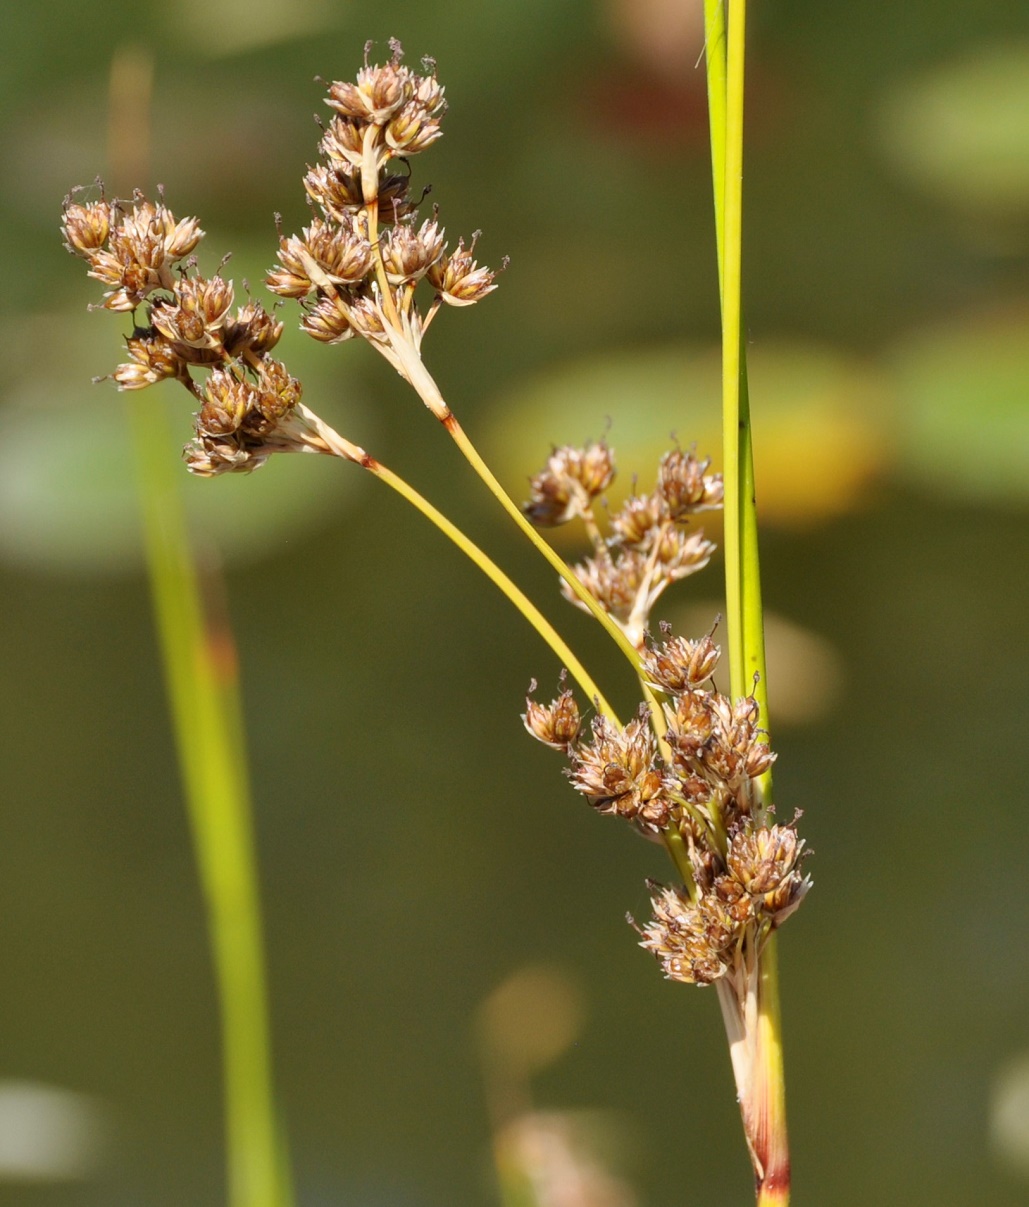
959,130
963,406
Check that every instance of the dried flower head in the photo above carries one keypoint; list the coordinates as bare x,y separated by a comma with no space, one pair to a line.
356,267
693,940
618,772
686,486
678,664
248,402
555,724
648,548
130,248
567,486
458,279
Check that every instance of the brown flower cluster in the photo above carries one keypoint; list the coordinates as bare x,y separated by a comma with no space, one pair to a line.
354,270
647,547
697,783
686,772
247,400
755,886
356,267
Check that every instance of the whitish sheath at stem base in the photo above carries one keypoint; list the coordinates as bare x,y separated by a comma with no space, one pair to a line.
750,1010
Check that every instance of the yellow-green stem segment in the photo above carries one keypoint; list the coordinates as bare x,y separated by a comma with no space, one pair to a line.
497,576
673,840
744,619
349,451
425,386
427,389
203,694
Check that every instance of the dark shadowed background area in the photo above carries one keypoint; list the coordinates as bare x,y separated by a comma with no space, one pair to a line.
417,848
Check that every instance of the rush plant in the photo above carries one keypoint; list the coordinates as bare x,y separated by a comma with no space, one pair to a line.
691,769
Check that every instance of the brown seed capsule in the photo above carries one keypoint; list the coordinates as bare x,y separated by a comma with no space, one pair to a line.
276,393
761,860
337,191
206,458
572,478
692,940
153,360
640,518
292,278
329,321
366,318
408,254
679,665
555,724
617,771
681,554
198,314
413,129
341,251
394,199
253,329
685,484
379,92
226,402
343,142
458,279
86,227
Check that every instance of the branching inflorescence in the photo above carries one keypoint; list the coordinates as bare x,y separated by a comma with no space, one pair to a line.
355,270
691,768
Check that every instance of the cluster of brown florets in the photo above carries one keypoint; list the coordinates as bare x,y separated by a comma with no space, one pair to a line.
696,782
688,773
143,256
752,888
355,268
648,547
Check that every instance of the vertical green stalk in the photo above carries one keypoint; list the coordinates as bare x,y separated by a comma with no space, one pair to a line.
744,621
205,705
732,352
762,1098
714,59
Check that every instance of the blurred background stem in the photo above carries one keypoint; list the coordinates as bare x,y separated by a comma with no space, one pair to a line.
203,691
201,678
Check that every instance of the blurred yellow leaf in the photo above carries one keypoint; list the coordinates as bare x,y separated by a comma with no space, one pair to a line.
819,420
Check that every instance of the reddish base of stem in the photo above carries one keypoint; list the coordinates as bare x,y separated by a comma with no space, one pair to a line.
774,1189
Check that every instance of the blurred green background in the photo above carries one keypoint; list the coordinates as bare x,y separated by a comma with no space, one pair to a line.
417,849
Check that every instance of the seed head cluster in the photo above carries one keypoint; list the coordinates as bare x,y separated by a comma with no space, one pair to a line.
690,774
648,547
247,400
356,267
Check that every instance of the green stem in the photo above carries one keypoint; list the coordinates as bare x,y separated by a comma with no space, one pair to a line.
677,850
425,386
759,1071
204,699
714,57
732,445
497,576
344,448
744,619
